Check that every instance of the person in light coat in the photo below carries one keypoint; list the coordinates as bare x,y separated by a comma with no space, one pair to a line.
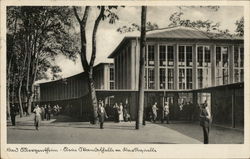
37,119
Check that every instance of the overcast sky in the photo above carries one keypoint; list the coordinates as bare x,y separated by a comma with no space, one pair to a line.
108,37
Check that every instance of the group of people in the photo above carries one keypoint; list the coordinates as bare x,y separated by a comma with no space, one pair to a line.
121,113
165,112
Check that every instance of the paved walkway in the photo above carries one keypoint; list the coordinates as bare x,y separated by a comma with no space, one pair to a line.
65,130
85,133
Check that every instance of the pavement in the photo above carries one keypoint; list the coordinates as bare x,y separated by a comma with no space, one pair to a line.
65,130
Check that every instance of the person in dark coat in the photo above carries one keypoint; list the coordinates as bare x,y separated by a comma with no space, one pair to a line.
205,119
48,112
13,114
101,114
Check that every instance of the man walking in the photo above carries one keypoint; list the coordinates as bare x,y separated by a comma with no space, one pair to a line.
205,119
13,114
101,114
166,112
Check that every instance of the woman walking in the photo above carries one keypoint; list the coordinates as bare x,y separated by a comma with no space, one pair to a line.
37,112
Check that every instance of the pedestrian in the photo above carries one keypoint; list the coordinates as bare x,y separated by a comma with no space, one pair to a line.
101,114
166,112
154,111
116,114
42,113
37,119
120,112
205,118
48,112
125,113
13,113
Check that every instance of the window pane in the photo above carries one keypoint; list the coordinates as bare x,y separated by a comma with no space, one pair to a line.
189,56
241,75
151,55
181,78
162,55
151,78
111,74
224,56
200,78
181,56
200,56
162,78
241,57
236,56
207,54
170,78
170,57
218,56
236,75
189,79
225,76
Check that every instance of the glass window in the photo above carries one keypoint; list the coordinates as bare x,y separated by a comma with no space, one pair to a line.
207,54
171,78
151,78
151,55
189,79
225,76
236,75
162,55
189,55
181,78
236,56
111,74
218,76
112,85
170,56
241,75
224,52
241,57
218,56
181,55
200,56
162,78
200,78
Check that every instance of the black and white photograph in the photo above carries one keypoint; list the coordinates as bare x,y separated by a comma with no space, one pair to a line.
123,74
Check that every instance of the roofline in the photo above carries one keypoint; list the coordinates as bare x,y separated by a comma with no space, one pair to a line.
126,38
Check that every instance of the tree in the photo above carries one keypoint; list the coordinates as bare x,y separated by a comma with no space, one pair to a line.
43,33
240,26
105,12
142,67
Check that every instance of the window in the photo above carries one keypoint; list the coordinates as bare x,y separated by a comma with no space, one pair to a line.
200,56
151,78
181,78
225,76
189,79
170,56
218,76
162,55
236,75
218,56
151,55
224,52
112,85
189,55
162,78
200,78
207,54
241,75
170,78
111,74
241,57
181,55
236,56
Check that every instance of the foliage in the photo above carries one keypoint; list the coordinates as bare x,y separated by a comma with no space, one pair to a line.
240,26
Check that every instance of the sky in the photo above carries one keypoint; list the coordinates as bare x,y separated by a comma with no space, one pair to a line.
108,37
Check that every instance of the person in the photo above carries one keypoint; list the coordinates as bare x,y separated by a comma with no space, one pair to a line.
166,112
48,112
37,119
13,114
116,114
101,114
205,119
154,111
42,112
125,113
120,112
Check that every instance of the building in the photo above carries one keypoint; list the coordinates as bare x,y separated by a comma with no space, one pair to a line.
183,66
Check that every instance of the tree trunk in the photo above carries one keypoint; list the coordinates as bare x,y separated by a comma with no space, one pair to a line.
30,96
20,98
92,92
140,112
